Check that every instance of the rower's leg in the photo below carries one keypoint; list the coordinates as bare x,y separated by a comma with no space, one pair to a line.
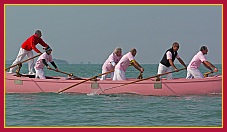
18,70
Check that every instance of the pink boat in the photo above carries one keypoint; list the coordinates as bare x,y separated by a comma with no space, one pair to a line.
176,87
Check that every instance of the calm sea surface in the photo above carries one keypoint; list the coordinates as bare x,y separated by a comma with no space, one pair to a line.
75,110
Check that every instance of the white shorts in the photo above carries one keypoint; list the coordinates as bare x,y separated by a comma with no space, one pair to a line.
119,75
39,74
105,76
163,69
194,73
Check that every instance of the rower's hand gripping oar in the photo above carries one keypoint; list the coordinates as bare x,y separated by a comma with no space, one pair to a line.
140,76
22,62
158,75
94,77
207,73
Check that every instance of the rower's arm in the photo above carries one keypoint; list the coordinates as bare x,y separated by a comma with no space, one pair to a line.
208,65
137,66
44,62
53,64
172,64
182,62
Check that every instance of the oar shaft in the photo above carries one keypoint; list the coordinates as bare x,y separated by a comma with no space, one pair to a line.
22,62
84,81
74,85
168,73
208,73
142,79
60,71
104,73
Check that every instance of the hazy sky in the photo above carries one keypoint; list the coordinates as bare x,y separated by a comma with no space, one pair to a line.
90,33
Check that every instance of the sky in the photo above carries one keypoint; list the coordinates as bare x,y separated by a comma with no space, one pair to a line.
91,33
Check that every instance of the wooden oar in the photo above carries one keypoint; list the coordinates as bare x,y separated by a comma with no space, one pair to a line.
142,79
207,73
70,74
140,76
22,62
84,81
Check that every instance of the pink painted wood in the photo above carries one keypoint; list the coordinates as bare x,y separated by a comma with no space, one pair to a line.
176,87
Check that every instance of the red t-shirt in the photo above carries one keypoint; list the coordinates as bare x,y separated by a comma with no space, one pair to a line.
31,43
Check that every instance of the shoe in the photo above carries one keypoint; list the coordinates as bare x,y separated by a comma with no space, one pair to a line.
10,72
31,73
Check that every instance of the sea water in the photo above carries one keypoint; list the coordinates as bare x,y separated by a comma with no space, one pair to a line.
121,110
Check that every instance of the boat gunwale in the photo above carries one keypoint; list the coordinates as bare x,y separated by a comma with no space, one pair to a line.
176,80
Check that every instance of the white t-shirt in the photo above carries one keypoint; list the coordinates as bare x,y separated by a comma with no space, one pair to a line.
124,63
112,60
39,64
169,55
197,60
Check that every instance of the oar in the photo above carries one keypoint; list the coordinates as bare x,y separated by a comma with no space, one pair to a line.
84,81
207,73
70,74
22,62
140,76
142,79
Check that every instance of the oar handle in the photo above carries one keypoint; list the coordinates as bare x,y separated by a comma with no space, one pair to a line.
143,79
104,73
84,81
207,73
22,62
167,73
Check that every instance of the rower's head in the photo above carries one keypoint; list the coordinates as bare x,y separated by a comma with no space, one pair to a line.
38,33
133,51
48,50
118,51
204,50
175,46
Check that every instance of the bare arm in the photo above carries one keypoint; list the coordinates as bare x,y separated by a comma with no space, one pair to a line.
172,64
208,65
137,66
182,62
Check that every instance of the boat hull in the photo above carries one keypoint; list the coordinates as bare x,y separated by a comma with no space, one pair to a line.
176,87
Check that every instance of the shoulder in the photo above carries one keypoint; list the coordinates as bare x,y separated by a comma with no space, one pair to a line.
45,54
199,53
31,37
112,54
168,53
169,50
42,56
129,54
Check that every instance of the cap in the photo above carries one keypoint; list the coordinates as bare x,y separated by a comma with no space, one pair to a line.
203,48
37,32
48,49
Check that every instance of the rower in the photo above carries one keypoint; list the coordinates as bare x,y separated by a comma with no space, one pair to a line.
192,69
42,61
127,60
167,62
